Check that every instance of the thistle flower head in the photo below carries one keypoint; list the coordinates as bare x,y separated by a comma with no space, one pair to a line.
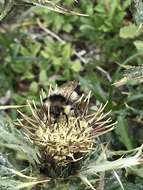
69,138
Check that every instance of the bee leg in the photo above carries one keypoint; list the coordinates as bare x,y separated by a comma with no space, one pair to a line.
76,115
49,117
56,121
67,120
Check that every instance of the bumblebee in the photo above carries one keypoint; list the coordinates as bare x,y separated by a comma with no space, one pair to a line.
62,101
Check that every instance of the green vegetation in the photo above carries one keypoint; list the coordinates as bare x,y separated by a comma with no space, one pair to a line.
40,46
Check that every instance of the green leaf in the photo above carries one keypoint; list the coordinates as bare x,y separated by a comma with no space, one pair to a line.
67,51
43,77
123,131
34,48
57,61
76,66
67,27
139,45
18,66
34,87
129,31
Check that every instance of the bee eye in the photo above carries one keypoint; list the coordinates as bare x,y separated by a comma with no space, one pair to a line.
72,108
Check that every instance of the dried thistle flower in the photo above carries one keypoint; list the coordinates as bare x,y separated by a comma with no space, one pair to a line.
68,140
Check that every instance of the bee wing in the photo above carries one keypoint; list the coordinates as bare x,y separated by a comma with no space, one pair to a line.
67,90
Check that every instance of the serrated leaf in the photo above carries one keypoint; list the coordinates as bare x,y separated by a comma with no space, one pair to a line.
9,184
5,166
12,138
5,8
137,12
